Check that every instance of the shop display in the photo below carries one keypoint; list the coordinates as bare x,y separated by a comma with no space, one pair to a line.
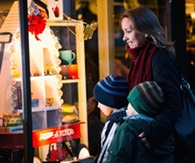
12,120
74,76
46,84
69,113
14,72
16,95
11,123
44,68
57,139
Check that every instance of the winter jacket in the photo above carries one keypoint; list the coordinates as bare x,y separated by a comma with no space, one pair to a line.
165,73
126,147
108,133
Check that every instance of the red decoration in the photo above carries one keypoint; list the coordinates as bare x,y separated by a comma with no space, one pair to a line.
56,11
56,134
15,140
36,24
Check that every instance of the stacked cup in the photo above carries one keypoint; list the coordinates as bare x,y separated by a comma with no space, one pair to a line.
68,69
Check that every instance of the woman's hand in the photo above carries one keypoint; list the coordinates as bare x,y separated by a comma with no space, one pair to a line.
144,140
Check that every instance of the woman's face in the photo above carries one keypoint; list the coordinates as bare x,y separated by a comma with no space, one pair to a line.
105,109
131,36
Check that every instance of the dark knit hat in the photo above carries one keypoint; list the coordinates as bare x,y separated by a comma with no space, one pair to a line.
146,98
112,91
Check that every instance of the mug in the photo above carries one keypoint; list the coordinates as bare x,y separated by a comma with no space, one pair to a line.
73,71
67,56
65,71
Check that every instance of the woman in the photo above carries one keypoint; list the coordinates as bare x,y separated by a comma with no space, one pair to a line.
153,60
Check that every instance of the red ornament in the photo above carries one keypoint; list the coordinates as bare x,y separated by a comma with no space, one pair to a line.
36,24
56,11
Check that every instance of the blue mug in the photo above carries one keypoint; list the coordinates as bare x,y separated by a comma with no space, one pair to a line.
67,56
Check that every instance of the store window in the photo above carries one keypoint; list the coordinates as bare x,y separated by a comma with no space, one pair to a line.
86,10
54,119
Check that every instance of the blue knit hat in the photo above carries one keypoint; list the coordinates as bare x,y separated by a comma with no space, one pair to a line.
112,91
146,98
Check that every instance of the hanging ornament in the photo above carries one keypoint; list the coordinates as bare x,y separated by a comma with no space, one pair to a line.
56,9
36,20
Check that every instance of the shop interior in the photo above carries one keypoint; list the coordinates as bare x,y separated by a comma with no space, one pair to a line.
62,88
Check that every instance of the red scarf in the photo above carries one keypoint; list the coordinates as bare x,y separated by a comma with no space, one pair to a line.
141,66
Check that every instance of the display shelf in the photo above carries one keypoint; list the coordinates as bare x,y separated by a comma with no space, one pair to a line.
46,81
42,89
66,81
65,23
76,29
43,118
40,109
44,78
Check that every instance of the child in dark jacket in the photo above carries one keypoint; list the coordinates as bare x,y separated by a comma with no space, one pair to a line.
111,94
145,101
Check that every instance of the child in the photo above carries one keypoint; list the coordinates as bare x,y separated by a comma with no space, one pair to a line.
111,94
145,101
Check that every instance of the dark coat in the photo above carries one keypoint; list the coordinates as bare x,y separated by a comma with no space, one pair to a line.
126,147
165,73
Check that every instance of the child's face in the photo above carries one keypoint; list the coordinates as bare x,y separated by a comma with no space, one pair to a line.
105,109
130,110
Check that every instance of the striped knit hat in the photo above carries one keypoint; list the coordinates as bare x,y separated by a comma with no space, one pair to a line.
146,98
112,91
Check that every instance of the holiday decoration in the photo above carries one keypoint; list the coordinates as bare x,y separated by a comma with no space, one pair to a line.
36,20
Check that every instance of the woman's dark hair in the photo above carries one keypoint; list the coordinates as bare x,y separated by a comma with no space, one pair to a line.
146,22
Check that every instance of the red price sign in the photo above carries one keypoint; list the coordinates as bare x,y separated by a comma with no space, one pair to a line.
56,134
